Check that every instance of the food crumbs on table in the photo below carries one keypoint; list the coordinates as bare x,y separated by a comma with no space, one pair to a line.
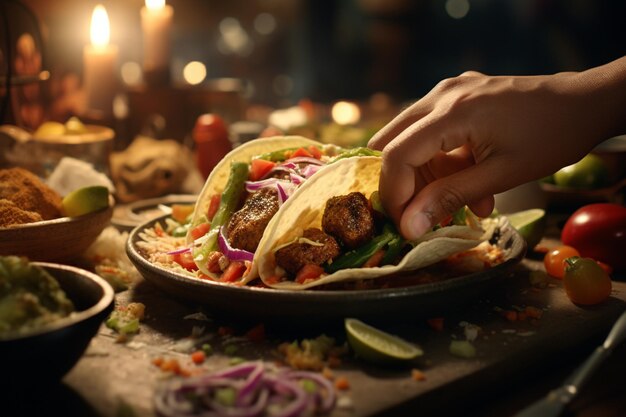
462,349
418,375
230,350
207,349
328,373
342,383
312,354
256,334
198,357
125,320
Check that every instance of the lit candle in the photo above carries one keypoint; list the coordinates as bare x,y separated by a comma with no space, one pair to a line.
100,62
156,22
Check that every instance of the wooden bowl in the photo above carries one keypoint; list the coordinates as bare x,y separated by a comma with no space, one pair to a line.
61,239
45,355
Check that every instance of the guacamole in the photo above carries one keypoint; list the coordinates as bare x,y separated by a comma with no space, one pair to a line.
29,297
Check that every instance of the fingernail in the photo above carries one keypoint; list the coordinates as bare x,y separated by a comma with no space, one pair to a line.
419,224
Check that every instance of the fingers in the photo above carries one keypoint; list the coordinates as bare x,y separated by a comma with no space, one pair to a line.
401,122
475,185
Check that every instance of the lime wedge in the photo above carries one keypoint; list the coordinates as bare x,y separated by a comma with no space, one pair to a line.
377,346
85,200
531,224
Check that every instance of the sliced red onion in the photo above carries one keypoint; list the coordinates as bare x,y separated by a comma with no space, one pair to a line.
230,252
252,186
196,396
178,251
289,165
326,402
310,170
304,159
296,179
282,194
252,383
288,170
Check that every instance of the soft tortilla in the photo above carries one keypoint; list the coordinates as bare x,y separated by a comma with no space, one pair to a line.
218,178
306,208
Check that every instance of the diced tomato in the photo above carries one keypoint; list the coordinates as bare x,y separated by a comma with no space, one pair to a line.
200,230
274,279
375,259
214,204
301,152
233,272
260,168
315,152
180,212
185,260
158,230
309,272
257,333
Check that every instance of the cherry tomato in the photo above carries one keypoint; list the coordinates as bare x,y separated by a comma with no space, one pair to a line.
598,231
554,260
585,281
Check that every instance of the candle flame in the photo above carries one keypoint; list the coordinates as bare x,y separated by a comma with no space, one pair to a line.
100,32
346,113
155,4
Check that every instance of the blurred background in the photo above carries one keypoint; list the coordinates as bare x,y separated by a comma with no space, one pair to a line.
331,70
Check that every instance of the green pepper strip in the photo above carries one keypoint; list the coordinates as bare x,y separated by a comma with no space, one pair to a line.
350,153
393,250
279,155
228,203
357,257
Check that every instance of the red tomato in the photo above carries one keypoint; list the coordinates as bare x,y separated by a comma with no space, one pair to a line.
598,231
185,260
200,230
234,271
586,282
214,205
308,272
554,260
315,151
301,152
260,168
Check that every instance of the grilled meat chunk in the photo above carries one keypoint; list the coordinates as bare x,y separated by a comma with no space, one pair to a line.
349,219
294,256
246,226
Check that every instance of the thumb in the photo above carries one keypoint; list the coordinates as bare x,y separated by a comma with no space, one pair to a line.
473,186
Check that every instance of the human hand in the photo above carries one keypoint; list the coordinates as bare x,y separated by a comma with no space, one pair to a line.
474,136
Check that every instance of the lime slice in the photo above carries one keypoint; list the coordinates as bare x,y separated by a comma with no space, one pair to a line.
85,200
377,346
531,224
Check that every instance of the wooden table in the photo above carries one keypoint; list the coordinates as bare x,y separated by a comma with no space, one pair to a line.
516,363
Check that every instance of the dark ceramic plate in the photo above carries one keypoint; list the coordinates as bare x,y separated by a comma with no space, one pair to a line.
426,300
45,355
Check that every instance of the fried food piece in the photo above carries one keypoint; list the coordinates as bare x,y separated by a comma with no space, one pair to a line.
349,219
294,256
12,215
29,193
246,226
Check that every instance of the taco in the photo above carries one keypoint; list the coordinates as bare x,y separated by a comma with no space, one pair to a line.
336,231
242,195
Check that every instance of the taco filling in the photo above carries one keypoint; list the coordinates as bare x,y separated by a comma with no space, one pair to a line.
355,233
224,239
